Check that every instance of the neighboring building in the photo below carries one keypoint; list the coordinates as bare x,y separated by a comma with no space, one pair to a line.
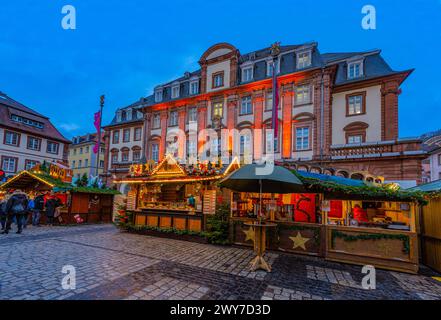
338,112
82,159
123,141
432,164
27,138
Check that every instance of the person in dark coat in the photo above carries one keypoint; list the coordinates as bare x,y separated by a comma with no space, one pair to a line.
38,207
16,207
3,213
51,204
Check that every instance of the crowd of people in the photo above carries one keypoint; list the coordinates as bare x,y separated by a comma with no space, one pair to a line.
18,207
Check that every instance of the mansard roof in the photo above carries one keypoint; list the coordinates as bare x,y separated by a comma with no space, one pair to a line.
10,107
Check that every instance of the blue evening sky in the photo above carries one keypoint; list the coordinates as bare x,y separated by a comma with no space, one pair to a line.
125,48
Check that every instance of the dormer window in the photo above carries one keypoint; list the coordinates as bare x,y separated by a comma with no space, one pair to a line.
123,116
303,59
269,68
247,73
355,69
194,87
158,95
175,91
218,80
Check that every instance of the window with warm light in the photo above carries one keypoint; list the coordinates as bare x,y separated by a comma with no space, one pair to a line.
218,109
303,94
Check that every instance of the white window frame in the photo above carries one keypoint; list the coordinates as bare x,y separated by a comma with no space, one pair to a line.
269,68
353,63
194,84
34,143
355,103
303,94
50,150
159,95
300,63
155,151
351,137
245,69
246,106
156,118
137,135
192,114
173,121
8,162
302,138
13,135
126,132
175,91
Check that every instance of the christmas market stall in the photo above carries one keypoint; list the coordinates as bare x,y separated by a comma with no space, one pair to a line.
79,204
337,218
430,224
172,196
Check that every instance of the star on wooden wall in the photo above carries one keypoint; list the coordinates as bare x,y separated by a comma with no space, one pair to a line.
249,234
299,241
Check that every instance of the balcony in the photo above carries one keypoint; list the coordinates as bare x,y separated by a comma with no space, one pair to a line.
394,148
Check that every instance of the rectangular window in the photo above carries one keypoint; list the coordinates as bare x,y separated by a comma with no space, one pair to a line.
354,70
218,109
126,135
194,87
87,149
115,138
158,95
303,94
271,144
73,164
86,163
75,151
80,163
269,68
246,106
103,150
192,114
114,158
439,160
138,132
191,148
101,163
355,104
29,164
247,74
303,59
156,121
125,156
173,119
302,138
34,143
245,144
218,80
81,150
12,138
9,164
269,101
155,152
358,138
136,155
52,147
175,92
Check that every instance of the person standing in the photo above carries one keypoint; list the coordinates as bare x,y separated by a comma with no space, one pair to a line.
3,213
16,207
38,208
51,204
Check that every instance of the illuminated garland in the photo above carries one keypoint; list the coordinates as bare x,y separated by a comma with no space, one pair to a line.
371,236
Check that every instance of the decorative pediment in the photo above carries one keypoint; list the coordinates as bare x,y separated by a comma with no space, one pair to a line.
357,125
168,167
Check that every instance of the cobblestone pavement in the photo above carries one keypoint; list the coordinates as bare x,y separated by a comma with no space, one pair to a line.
110,264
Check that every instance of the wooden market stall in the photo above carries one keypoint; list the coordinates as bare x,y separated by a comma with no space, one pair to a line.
171,195
340,219
93,205
430,224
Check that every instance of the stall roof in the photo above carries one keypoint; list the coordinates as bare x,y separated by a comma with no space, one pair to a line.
26,179
434,186
334,179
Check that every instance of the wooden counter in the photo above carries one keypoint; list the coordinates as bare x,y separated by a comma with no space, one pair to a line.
382,248
169,218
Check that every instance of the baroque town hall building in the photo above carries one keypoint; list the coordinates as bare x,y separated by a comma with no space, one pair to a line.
338,113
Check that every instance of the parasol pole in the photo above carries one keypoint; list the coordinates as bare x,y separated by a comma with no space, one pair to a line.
260,200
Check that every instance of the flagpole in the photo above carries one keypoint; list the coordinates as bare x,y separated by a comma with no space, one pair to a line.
99,136
275,51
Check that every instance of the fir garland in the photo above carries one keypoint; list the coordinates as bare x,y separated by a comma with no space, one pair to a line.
371,236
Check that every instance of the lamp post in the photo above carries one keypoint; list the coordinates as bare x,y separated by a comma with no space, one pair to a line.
99,136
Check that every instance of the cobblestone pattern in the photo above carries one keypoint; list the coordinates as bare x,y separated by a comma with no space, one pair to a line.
114,265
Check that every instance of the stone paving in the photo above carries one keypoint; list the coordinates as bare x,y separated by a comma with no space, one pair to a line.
110,264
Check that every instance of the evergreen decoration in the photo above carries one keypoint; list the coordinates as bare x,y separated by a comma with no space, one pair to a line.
371,236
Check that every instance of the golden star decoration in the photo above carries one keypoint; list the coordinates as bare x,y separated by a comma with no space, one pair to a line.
299,241
249,234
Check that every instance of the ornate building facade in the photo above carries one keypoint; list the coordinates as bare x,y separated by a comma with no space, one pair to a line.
338,112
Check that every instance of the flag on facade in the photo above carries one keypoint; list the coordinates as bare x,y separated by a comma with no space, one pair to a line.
97,124
275,109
